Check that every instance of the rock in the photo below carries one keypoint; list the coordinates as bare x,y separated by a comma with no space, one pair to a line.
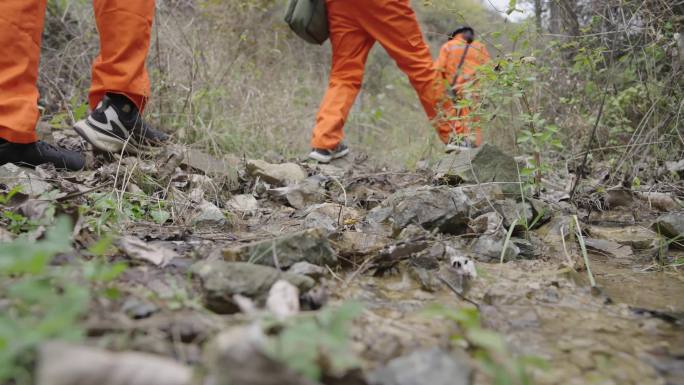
209,215
317,219
350,243
138,309
329,170
283,300
485,164
542,211
336,212
309,245
612,218
488,248
639,238
440,208
222,170
222,280
276,174
481,197
609,248
515,212
153,253
31,184
308,269
237,356
245,204
486,223
671,225
304,193
432,366
427,279
660,201
64,364
675,167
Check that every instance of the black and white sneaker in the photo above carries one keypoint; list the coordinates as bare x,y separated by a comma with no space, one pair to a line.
37,153
326,156
116,124
459,143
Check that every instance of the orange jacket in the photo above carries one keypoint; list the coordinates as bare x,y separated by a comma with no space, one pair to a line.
450,56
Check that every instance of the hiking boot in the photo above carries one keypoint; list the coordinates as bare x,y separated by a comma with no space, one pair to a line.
459,143
326,156
37,153
116,124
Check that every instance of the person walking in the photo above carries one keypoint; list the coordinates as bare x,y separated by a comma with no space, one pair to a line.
355,26
458,61
119,90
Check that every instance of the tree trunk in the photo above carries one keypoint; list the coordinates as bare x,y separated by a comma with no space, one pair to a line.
538,15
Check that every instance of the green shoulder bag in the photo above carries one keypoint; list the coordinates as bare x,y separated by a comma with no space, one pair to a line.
309,20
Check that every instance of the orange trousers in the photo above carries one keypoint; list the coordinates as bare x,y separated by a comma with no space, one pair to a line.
125,27
355,26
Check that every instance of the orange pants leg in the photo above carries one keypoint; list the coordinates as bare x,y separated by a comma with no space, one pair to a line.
350,46
394,25
21,28
125,27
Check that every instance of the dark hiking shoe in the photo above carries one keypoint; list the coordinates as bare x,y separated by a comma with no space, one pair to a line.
37,153
458,144
117,124
326,156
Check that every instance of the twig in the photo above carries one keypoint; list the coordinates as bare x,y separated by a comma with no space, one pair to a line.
458,293
583,247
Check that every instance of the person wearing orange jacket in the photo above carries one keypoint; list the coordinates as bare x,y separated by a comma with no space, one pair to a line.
355,26
119,89
457,63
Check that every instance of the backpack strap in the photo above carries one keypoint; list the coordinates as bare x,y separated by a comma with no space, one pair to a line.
460,66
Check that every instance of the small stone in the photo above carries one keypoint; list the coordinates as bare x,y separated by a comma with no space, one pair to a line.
486,223
488,248
31,184
209,215
243,204
308,269
276,174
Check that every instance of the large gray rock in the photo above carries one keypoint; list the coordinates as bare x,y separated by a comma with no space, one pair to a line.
310,245
433,366
481,165
208,214
671,225
276,174
488,248
222,280
443,208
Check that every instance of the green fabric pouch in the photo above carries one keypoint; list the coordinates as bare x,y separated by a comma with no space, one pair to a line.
309,20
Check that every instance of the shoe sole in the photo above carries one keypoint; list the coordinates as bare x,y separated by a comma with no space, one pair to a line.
327,159
103,141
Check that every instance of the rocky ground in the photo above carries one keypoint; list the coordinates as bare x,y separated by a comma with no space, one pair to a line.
243,271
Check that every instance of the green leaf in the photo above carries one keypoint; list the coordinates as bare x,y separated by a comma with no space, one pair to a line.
160,216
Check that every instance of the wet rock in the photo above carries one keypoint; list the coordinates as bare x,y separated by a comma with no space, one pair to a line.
486,223
609,248
485,164
308,269
208,214
442,208
433,366
276,174
309,245
222,280
237,356
31,183
350,243
671,225
245,204
488,248
64,364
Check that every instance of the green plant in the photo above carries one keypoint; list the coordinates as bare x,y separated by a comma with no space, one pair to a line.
41,301
316,344
487,347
